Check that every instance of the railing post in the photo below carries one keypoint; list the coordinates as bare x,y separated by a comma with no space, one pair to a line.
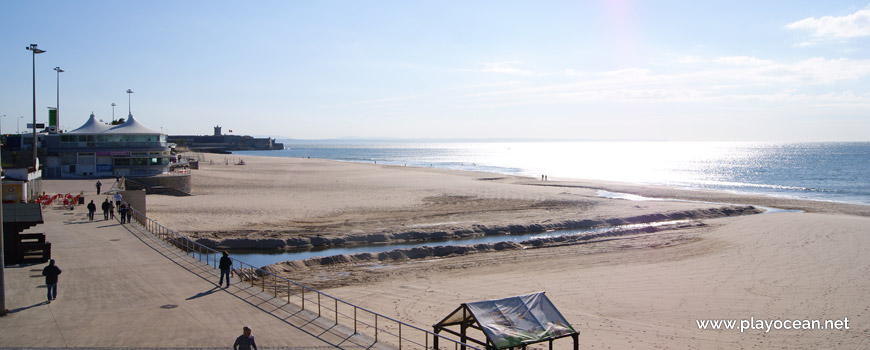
303,298
288,292
376,328
354,320
336,311
318,304
400,336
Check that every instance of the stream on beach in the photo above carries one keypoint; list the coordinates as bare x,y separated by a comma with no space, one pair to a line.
260,258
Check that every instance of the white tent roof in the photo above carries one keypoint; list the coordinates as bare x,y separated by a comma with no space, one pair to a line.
92,126
131,126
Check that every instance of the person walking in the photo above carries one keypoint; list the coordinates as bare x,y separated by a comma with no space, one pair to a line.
51,272
99,184
118,198
225,266
129,212
122,211
92,208
111,210
245,341
105,206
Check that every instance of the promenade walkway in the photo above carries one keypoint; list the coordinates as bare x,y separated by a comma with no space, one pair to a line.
122,288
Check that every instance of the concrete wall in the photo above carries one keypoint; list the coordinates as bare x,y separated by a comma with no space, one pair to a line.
179,182
136,199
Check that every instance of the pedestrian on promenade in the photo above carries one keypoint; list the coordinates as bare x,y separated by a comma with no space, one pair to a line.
225,266
122,212
105,206
50,272
99,184
92,208
118,198
129,213
111,210
245,341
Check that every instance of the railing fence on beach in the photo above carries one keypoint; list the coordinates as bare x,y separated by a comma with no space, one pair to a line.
383,329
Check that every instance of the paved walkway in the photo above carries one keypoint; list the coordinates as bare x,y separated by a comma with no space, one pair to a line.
123,288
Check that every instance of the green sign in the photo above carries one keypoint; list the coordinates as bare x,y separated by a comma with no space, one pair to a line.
52,117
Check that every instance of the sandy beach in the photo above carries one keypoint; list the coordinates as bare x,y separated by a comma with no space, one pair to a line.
640,290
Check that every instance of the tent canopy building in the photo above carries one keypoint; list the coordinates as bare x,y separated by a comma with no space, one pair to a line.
513,322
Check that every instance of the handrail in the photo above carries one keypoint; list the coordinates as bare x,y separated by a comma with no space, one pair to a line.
189,246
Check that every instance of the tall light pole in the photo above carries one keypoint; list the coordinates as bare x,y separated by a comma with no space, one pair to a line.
57,110
113,112
3,311
32,48
129,109
18,125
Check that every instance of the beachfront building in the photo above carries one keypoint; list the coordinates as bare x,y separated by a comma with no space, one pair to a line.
97,149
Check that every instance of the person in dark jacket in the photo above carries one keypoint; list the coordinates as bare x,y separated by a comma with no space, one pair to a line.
92,208
226,265
129,213
99,185
122,212
105,208
51,272
245,341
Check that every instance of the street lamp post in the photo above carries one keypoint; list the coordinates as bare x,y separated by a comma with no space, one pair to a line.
32,48
113,112
18,125
129,108
57,110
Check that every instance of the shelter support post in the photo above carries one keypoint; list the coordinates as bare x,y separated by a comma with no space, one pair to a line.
462,328
576,341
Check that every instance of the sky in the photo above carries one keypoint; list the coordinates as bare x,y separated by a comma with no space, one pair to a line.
676,70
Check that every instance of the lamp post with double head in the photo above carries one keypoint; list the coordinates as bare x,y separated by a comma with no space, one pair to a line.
32,48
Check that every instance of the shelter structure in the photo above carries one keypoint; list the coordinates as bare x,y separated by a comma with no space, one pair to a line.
509,323
96,149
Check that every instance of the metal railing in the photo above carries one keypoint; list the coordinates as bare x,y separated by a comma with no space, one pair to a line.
382,329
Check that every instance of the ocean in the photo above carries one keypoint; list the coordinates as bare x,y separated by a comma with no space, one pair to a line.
838,172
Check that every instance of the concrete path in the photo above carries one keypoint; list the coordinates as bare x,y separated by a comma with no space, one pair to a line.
123,288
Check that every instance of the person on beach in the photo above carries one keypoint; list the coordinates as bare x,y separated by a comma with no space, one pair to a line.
118,198
105,206
92,208
225,266
51,272
99,184
122,211
245,341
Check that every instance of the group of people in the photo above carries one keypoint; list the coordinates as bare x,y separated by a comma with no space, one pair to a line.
125,211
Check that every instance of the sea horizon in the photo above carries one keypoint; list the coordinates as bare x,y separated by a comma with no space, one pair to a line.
826,171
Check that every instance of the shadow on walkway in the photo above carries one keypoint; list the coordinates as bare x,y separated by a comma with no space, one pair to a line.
319,327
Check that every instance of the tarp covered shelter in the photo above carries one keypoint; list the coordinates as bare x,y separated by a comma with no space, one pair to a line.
510,322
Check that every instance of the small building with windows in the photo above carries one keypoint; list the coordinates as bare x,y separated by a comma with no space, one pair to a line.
97,149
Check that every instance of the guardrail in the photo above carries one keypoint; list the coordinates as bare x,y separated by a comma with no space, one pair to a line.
382,328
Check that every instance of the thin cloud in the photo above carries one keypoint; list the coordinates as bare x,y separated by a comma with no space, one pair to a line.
855,25
505,68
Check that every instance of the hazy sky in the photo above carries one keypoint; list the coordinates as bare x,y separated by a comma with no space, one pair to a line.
677,70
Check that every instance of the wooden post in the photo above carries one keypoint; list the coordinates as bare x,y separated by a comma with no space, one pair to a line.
462,328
